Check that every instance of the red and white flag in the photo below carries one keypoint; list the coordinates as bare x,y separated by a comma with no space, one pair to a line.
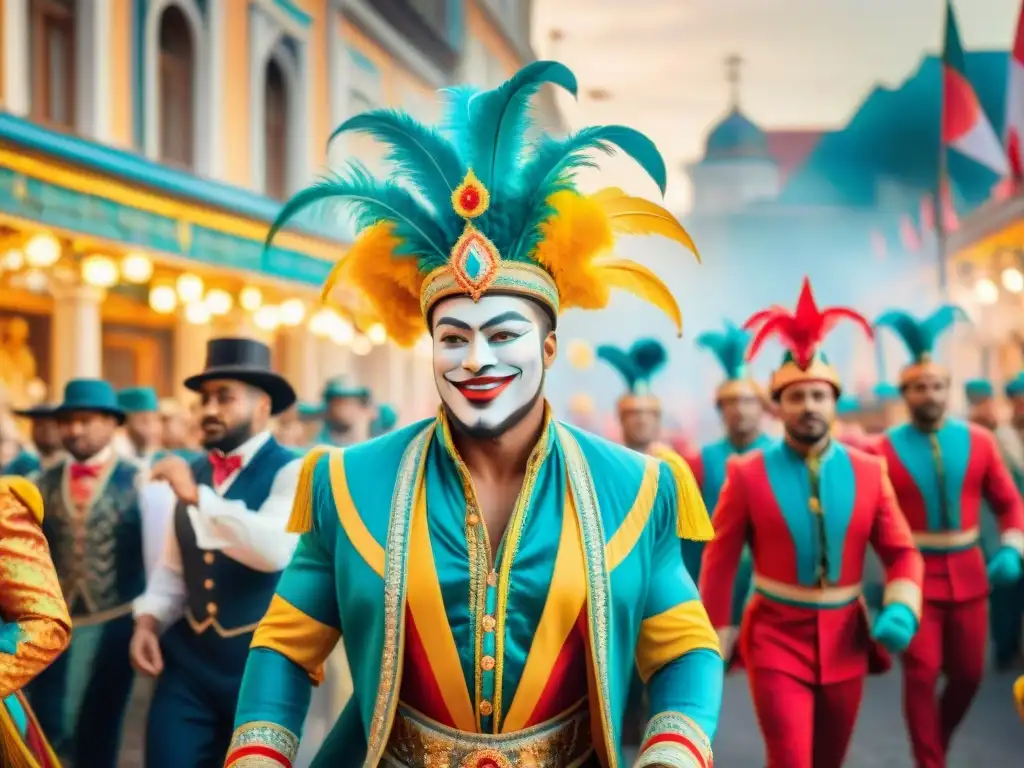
910,237
1015,102
965,127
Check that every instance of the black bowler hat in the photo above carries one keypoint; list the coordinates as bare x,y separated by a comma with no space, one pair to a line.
248,361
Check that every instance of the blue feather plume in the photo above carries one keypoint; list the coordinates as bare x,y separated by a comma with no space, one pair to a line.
620,360
730,347
919,336
649,356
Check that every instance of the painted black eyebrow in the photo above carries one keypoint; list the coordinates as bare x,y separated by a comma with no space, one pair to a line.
504,317
454,323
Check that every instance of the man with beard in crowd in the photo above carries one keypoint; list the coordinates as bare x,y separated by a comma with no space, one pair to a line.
809,507
142,436
347,413
222,559
94,529
942,468
45,439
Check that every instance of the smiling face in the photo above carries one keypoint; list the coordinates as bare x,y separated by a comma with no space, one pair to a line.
489,360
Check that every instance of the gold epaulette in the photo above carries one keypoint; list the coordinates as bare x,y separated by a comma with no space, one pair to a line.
693,521
25,491
301,519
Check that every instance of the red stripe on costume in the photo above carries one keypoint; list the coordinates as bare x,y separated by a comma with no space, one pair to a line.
420,689
257,750
567,683
675,738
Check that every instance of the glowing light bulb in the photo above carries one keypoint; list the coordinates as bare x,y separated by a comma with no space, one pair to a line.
12,260
267,317
986,291
1012,280
293,312
42,250
250,298
136,268
163,299
197,314
377,334
218,301
190,288
99,271
361,346
342,333
321,323
35,281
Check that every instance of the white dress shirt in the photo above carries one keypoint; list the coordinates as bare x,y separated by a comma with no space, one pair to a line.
254,538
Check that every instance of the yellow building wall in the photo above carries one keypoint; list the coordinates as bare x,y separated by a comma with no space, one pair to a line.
121,74
319,11
2,78
479,26
235,116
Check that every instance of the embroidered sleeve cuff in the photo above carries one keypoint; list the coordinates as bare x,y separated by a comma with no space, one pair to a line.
262,745
1014,539
675,740
905,592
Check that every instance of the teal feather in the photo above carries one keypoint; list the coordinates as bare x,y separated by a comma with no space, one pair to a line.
919,336
730,347
885,392
621,361
371,201
420,153
847,404
649,356
500,121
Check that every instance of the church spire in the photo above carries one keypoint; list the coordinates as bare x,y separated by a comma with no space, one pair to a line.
733,64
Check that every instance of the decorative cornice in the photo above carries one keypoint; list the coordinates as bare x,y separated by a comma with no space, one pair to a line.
989,219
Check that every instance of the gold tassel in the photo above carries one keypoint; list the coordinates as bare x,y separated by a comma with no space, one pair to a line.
693,521
13,751
1018,695
301,519
25,492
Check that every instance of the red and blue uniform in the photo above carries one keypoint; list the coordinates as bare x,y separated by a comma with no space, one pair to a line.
941,479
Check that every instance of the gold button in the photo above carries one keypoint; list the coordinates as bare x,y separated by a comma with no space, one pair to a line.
488,623
208,558
487,663
492,579
211,608
485,708
473,519
208,584
815,505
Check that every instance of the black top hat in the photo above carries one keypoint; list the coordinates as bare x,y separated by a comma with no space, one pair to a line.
248,361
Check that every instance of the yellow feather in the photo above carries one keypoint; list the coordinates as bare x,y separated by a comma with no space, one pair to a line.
641,282
629,215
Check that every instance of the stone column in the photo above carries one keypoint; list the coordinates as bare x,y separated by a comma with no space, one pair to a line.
14,48
300,362
189,353
76,334
92,85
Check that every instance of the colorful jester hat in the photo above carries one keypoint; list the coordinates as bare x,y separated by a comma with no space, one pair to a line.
919,337
476,207
730,347
802,332
637,365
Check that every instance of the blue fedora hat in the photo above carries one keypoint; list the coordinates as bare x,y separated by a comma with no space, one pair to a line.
138,400
978,391
310,411
1015,386
339,386
90,395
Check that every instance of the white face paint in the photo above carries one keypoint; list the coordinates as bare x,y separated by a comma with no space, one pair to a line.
488,360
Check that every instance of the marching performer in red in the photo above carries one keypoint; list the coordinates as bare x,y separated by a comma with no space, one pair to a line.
808,506
942,468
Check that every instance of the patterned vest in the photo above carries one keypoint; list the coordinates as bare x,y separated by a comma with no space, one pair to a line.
97,546
220,589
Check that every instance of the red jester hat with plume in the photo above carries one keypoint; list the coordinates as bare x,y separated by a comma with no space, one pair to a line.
802,333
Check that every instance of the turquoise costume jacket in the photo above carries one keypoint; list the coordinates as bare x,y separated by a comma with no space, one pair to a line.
22,465
591,545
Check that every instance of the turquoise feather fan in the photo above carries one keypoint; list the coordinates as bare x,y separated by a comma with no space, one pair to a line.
919,336
638,364
730,347
485,131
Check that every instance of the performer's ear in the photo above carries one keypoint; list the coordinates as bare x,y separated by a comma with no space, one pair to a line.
550,349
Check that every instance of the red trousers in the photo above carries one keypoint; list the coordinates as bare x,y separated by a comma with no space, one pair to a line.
950,642
804,725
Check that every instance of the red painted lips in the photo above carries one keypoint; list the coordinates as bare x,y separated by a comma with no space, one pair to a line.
483,389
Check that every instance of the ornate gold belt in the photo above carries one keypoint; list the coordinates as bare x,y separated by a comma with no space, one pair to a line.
418,742
946,541
817,597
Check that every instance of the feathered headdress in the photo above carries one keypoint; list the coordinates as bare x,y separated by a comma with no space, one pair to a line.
884,392
637,365
1015,386
919,337
730,347
474,207
978,390
802,333
847,405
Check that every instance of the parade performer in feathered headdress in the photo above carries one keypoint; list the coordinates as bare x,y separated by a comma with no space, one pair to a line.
809,506
941,468
480,240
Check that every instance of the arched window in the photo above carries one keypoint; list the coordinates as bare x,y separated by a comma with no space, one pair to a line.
53,61
275,130
176,88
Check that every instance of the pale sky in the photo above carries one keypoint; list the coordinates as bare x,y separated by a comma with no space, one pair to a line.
808,63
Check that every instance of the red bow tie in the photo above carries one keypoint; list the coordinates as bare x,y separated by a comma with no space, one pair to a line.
85,472
224,466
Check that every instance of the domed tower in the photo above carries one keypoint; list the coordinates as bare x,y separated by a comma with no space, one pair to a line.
737,168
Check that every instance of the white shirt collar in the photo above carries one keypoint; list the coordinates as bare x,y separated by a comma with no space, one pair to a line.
105,455
251,447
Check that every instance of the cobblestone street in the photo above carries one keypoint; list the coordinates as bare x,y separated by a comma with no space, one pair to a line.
992,735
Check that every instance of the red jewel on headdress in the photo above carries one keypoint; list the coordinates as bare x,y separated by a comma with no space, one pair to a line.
471,198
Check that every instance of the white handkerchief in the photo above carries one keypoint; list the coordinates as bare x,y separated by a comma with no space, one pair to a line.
206,534
156,502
